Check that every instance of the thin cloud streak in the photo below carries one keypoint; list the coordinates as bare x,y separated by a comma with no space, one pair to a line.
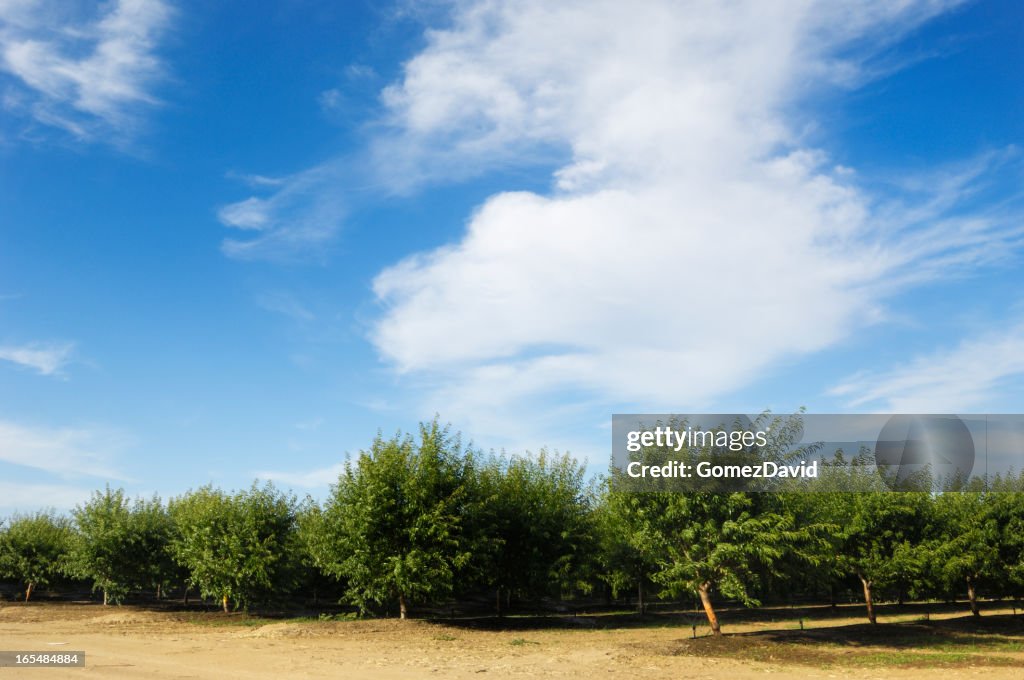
65,451
17,496
313,479
286,304
44,358
957,380
87,73
296,222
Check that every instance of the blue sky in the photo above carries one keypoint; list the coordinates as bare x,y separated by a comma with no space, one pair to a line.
235,243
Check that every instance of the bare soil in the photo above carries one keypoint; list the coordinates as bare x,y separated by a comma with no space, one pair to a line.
131,642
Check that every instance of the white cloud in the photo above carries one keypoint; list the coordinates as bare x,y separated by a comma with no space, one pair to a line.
331,99
360,72
298,220
68,452
255,180
23,497
82,69
691,242
313,479
286,304
248,214
45,358
628,91
958,380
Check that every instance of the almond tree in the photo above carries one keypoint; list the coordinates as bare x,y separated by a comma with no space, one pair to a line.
393,524
104,548
628,526
881,540
1006,507
155,567
965,542
534,527
706,540
33,549
724,543
238,548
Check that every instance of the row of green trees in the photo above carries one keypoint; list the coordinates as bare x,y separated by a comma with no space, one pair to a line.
750,546
235,547
422,519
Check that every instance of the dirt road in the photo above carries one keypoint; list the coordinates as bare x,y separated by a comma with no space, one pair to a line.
126,642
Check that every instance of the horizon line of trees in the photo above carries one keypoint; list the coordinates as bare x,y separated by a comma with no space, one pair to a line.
421,520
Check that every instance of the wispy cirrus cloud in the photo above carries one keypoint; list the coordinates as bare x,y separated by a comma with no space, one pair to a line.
82,68
970,376
312,479
252,213
296,221
284,303
44,358
20,496
64,451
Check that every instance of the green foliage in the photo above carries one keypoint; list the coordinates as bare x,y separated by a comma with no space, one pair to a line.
418,519
107,549
721,541
964,542
1006,509
392,527
153,566
310,539
237,548
629,530
704,542
121,546
881,536
33,549
537,533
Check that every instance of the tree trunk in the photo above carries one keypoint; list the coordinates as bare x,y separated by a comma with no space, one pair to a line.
106,598
640,597
867,599
186,594
158,592
403,609
972,596
705,599
498,602
28,590
224,603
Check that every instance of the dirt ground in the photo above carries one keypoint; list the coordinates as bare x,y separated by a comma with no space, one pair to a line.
129,642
